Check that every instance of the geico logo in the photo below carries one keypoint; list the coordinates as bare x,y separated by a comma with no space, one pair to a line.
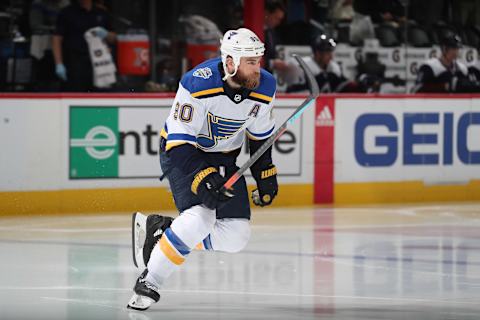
387,147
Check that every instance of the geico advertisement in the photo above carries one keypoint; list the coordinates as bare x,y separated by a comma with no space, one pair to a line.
436,141
123,142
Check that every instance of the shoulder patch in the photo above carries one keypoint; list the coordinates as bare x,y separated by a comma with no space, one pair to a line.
203,73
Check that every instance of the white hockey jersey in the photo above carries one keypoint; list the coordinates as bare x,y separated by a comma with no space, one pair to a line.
210,115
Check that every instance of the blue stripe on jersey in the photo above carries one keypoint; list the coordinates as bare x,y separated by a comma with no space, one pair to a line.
177,242
181,136
207,243
261,135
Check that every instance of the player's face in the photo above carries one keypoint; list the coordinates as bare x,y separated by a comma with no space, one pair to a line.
323,58
451,54
248,73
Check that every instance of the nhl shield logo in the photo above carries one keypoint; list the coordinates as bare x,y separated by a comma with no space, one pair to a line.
237,97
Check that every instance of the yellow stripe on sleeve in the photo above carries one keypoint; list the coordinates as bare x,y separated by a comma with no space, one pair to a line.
261,96
163,133
206,92
170,252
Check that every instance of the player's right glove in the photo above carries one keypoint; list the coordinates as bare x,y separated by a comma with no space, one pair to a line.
207,184
267,186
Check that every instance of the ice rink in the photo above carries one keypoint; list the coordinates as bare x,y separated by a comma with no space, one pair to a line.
379,262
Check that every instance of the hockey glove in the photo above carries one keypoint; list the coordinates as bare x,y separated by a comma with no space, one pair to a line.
207,184
267,186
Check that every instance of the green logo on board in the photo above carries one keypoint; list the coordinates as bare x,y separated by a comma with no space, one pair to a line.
94,150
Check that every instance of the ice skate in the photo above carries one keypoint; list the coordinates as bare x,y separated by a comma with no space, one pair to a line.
145,294
146,231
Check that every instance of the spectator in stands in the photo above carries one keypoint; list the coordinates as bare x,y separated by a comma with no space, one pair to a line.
445,74
342,10
42,18
72,59
427,12
368,12
381,11
274,15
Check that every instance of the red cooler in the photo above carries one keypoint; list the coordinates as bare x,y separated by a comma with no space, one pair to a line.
133,54
197,53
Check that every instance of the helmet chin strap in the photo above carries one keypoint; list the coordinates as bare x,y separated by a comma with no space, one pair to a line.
225,69
229,75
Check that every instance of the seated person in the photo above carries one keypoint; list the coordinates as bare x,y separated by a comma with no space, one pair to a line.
445,74
327,72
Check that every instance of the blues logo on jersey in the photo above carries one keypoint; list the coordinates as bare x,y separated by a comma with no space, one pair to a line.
218,129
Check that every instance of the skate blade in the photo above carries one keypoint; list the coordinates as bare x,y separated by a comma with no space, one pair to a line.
141,303
139,229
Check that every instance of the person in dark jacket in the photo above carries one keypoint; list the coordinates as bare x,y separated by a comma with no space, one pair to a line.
72,59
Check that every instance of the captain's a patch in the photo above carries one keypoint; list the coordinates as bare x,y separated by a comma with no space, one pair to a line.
203,73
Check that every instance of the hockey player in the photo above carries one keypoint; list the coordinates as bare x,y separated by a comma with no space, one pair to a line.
218,104
445,74
327,71
329,76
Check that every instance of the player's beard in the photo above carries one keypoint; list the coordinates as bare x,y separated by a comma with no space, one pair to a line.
249,82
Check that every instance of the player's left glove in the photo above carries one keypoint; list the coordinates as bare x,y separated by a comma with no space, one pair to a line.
267,186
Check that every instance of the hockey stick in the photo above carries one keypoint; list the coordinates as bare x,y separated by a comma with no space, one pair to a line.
267,144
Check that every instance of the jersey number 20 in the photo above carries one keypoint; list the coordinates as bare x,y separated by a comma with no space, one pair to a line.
184,112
